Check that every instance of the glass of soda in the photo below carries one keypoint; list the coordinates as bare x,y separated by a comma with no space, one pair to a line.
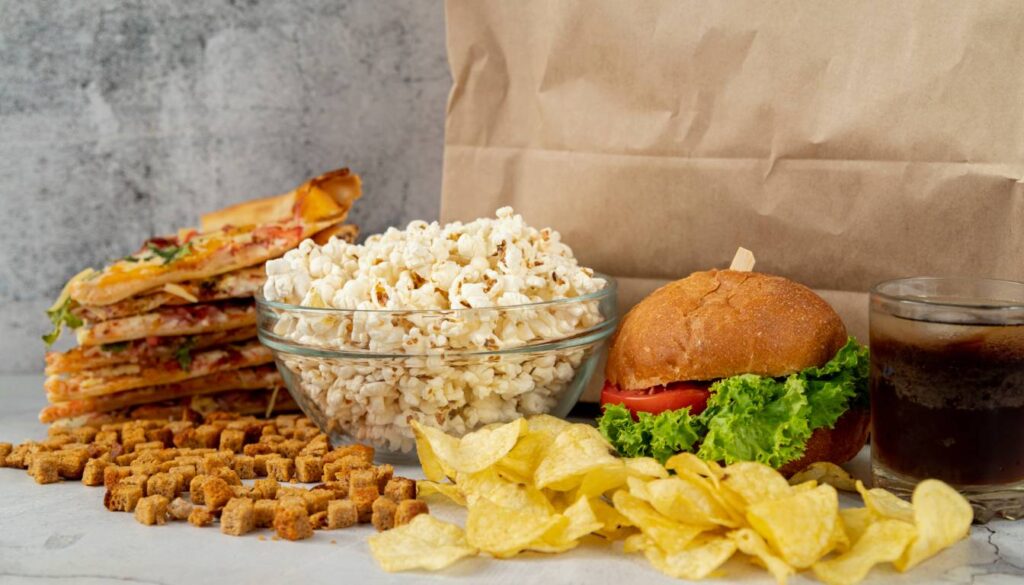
947,389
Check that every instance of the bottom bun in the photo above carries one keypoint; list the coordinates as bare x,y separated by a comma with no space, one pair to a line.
836,445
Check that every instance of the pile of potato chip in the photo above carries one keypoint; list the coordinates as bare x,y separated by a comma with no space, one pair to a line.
544,484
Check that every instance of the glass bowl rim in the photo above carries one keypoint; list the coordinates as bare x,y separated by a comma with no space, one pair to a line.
609,289
923,301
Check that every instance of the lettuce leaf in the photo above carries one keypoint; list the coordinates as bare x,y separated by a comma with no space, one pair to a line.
749,417
60,317
753,418
659,436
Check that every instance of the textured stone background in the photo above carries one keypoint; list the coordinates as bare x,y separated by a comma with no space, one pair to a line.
123,119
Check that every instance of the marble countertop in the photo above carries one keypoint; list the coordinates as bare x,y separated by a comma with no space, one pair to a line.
61,533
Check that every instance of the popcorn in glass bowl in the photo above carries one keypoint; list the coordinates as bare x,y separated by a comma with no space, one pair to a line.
455,326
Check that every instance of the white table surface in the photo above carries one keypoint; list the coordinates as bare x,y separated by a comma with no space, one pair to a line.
61,533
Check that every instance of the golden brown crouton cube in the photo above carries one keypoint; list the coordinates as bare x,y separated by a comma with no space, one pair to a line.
107,437
5,450
280,468
45,468
308,468
85,434
245,466
383,515
299,501
162,435
254,449
71,462
409,509
273,440
290,448
263,513
139,479
316,500
208,435
200,516
266,488
132,436
148,446
186,472
195,488
113,474
318,520
363,498
216,493
232,440
122,497
342,514
339,488
144,468
292,523
93,472
179,509
400,488
152,510
213,462
360,478
125,459
363,452
228,475
238,517
55,443
241,491
163,484
260,463
318,446
383,473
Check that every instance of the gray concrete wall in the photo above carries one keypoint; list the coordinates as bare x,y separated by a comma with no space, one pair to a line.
124,119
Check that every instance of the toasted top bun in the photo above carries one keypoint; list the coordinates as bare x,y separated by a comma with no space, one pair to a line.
723,323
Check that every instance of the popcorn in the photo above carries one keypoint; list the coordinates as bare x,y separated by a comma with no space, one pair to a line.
485,277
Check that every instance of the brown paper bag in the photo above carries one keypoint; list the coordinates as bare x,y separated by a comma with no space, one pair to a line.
844,142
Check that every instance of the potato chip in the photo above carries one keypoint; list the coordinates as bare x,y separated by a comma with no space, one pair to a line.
433,468
575,451
883,541
941,516
521,462
690,462
855,522
427,488
475,451
601,480
505,532
489,484
695,562
805,485
582,521
546,424
826,472
614,525
750,543
646,467
681,500
752,483
801,527
424,543
669,535
885,504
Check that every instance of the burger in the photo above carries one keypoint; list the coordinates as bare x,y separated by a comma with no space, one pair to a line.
736,366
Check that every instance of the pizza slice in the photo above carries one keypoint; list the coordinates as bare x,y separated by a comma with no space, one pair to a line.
258,377
143,352
103,381
191,255
171,321
259,402
239,284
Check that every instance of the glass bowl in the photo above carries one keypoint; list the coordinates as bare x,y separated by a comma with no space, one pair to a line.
364,375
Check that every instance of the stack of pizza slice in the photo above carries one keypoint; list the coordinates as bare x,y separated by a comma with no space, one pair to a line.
170,330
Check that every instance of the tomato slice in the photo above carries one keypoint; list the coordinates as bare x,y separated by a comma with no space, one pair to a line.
660,398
